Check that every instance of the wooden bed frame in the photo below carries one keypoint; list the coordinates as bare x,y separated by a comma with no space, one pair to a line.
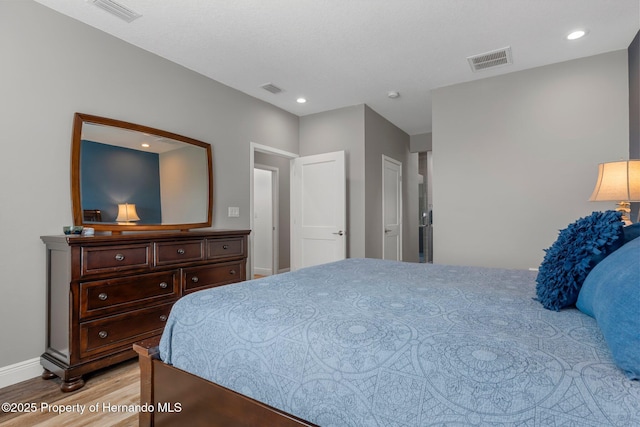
179,398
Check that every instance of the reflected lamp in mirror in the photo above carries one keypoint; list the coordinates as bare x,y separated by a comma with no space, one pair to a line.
618,182
127,214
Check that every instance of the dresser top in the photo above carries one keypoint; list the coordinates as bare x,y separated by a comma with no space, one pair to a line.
140,237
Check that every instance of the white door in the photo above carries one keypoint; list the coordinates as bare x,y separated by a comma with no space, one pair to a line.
391,209
318,209
263,222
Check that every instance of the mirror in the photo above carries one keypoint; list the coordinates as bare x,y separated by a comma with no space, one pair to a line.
129,177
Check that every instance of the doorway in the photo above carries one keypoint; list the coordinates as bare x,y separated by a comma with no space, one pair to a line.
267,157
289,233
425,227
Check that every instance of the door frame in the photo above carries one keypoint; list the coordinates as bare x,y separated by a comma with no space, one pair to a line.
429,187
275,215
385,159
259,148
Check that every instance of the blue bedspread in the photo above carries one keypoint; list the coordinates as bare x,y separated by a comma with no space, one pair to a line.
365,342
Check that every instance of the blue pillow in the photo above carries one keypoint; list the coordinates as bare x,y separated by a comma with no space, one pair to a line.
579,248
611,294
631,232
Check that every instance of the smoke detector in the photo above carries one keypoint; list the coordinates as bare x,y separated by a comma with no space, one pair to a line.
116,9
495,58
393,94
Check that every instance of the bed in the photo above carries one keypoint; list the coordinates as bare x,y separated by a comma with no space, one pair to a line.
365,342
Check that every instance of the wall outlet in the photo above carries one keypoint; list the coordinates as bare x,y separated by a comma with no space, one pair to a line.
234,212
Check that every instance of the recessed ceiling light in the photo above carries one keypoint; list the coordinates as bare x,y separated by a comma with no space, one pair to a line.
301,100
145,145
574,35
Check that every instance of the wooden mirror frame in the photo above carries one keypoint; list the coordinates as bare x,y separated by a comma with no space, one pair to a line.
76,199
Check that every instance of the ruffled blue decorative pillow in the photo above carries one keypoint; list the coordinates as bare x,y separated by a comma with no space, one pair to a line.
611,294
577,250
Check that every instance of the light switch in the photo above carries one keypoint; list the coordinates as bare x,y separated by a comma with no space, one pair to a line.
234,212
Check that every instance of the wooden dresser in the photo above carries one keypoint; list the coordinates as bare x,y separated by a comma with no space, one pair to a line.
106,292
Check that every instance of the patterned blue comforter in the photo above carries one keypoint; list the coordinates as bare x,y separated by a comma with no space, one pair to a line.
366,342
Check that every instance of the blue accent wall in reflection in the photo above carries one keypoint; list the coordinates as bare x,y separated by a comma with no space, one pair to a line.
111,175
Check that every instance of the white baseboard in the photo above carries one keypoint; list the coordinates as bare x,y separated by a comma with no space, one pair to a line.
21,371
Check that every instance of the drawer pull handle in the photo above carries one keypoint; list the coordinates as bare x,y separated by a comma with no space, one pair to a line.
163,285
119,257
225,246
163,317
195,279
103,334
102,296
232,272
181,251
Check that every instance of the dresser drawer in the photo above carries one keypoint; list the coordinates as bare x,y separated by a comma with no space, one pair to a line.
123,330
104,297
198,278
98,259
223,248
173,253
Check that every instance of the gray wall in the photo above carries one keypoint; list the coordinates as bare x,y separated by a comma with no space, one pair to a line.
384,138
515,157
53,66
337,130
284,205
421,142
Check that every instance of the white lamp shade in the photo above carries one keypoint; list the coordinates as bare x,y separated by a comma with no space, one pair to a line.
127,212
618,181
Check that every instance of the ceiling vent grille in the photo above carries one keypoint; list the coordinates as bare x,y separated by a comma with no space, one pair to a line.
117,9
269,87
495,58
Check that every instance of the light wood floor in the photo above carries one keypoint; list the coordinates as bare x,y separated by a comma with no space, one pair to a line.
118,385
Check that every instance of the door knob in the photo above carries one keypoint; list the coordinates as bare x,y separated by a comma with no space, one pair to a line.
339,233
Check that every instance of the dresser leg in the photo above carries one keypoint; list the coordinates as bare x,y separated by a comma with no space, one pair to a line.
72,384
48,375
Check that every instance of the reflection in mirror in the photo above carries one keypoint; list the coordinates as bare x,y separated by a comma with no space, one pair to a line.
127,176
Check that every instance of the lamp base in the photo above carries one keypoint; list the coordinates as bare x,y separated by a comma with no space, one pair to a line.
625,208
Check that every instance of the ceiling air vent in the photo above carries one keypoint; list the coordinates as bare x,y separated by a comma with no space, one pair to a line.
495,58
117,9
269,87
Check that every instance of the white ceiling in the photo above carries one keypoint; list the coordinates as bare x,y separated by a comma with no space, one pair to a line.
338,53
126,138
